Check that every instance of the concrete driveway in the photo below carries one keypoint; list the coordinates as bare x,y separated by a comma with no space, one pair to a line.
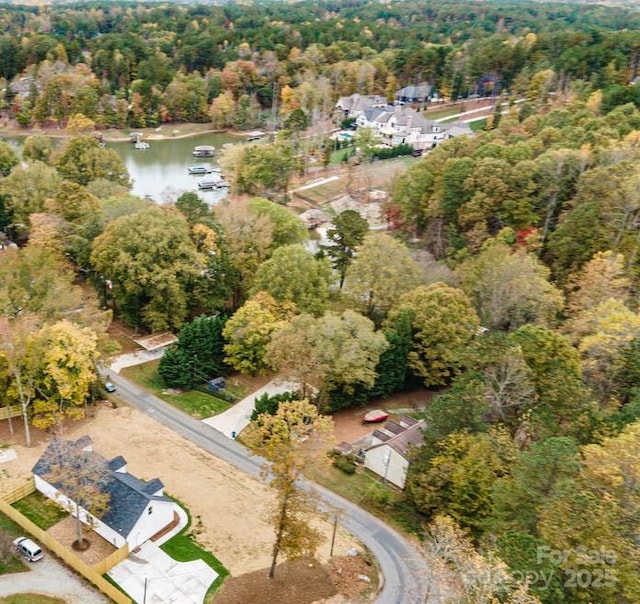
236,419
151,576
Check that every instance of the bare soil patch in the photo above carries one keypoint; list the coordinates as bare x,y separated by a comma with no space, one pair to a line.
348,422
65,533
303,582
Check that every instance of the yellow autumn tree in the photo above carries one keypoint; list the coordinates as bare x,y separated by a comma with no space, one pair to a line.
293,439
63,356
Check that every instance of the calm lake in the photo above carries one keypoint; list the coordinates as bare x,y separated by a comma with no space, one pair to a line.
161,171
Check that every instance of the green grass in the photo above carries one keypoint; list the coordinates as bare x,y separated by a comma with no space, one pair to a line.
478,124
366,490
31,599
184,547
197,404
40,510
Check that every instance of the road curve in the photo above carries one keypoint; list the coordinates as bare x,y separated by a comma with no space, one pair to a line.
404,570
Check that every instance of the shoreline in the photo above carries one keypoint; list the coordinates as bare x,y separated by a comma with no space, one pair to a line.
114,136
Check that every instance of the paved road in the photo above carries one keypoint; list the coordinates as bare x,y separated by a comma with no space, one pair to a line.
403,568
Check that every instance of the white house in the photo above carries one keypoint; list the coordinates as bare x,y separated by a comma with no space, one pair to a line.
137,509
388,453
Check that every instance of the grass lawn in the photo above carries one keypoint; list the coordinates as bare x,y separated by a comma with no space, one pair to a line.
31,599
40,510
478,124
367,491
197,404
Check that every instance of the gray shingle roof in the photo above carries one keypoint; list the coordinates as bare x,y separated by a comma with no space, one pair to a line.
129,496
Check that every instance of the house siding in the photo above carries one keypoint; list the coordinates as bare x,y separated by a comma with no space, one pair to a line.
395,470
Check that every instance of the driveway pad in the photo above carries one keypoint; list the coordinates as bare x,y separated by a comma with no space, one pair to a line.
167,581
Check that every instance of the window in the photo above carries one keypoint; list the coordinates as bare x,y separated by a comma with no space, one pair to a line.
150,510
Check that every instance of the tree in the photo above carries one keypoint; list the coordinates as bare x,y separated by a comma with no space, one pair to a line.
63,358
556,373
199,355
601,332
600,279
443,323
26,189
265,170
469,577
81,476
151,262
349,229
287,228
249,240
536,477
37,147
8,159
508,288
460,476
35,288
332,350
293,439
270,404
598,510
82,160
293,274
249,330
380,273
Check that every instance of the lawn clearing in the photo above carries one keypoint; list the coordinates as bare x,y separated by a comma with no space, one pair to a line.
367,490
195,403
40,510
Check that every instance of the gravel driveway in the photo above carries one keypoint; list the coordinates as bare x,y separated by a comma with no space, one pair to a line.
50,577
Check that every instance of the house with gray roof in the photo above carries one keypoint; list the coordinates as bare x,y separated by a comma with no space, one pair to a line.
354,104
420,93
137,510
388,453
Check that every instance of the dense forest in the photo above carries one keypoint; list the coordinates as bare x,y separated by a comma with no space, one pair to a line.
126,64
507,283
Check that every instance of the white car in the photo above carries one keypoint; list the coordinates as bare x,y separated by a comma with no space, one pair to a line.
29,549
109,387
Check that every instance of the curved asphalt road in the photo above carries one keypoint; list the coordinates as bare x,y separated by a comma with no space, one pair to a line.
405,572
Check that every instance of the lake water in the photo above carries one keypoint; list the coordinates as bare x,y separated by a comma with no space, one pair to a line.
161,172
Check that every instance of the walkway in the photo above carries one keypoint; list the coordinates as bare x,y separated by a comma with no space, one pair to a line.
237,418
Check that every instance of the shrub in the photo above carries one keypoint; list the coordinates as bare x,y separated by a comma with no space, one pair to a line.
345,464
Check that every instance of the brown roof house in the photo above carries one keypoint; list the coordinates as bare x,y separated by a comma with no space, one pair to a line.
388,453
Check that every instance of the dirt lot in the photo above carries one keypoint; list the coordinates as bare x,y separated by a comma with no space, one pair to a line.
228,507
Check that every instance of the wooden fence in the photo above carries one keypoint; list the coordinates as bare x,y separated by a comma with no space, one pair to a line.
11,411
106,564
16,494
90,573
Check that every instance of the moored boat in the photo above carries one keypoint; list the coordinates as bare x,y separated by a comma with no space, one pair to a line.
375,416
204,151
199,170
